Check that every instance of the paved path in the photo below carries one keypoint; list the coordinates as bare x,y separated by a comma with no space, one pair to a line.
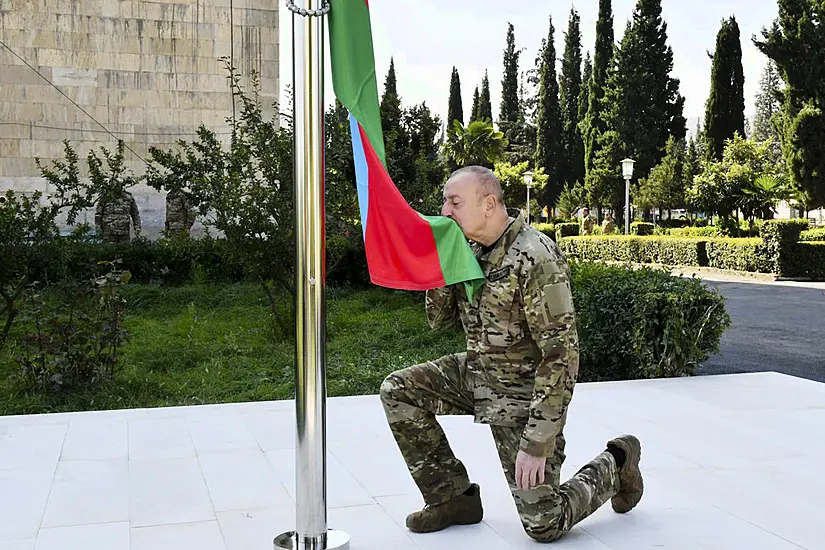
776,327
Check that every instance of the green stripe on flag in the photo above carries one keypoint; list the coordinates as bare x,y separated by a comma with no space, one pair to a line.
353,67
458,263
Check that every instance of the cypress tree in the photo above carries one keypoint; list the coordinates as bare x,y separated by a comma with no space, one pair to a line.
767,104
584,96
510,81
796,43
549,126
643,106
570,86
593,125
725,107
474,112
400,161
455,111
485,106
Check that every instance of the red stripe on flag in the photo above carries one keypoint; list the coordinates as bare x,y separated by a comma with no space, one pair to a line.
400,245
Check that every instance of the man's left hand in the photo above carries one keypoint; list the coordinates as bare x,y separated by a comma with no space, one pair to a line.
529,470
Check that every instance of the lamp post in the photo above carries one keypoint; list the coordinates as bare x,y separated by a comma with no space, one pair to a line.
627,172
528,181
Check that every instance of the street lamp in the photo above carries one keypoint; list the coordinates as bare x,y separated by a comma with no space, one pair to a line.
528,181
627,172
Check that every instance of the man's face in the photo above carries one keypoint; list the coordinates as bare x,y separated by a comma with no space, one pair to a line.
463,204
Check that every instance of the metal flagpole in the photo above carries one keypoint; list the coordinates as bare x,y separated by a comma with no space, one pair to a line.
312,532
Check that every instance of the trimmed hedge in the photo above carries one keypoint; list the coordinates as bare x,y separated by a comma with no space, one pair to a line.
706,231
548,229
636,249
739,255
779,237
806,259
643,323
641,228
176,261
815,234
566,230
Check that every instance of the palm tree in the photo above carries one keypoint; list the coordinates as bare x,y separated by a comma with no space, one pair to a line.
762,195
477,143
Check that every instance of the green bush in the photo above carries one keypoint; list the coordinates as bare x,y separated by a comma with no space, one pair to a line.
806,259
641,228
635,249
815,234
569,229
739,255
643,323
705,231
548,229
779,237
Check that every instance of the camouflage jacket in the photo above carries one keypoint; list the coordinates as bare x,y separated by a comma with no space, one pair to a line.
522,342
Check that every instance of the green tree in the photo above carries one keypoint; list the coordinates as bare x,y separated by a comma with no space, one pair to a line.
549,124
246,192
664,187
510,108
485,106
593,125
474,111
643,106
725,107
514,189
721,186
400,161
768,104
478,143
584,98
424,128
796,43
455,110
570,87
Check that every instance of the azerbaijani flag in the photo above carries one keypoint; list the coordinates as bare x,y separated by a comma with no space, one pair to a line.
405,249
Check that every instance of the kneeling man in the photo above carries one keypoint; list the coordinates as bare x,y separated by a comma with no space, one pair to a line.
517,375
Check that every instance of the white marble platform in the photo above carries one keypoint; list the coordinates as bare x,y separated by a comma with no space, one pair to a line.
730,462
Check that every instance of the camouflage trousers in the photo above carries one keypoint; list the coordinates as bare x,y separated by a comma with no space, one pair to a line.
414,396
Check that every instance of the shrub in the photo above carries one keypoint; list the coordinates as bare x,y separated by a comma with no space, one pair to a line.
566,230
643,323
779,236
78,335
705,231
806,259
739,255
635,249
815,234
641,228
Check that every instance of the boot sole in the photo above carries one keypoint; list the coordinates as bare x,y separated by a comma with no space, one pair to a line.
633,456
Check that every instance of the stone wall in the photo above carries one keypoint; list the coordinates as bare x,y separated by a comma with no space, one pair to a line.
147,72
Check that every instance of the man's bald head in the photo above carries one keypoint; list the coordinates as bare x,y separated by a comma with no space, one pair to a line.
486,182
472,198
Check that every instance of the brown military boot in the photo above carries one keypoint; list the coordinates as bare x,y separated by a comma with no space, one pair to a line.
464,509
631,485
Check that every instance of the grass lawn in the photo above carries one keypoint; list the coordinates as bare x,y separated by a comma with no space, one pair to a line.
211,344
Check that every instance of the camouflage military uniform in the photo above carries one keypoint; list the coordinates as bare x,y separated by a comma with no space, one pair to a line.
608,227
587,225
113,219
180,216
517,375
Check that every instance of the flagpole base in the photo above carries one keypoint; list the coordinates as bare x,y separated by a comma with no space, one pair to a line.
336,540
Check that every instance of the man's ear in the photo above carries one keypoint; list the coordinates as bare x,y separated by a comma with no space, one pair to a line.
490,205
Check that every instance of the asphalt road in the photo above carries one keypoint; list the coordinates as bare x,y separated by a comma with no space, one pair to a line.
774,328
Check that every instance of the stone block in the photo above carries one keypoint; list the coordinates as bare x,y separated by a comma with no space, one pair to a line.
9,148
15,130
127,61
72,76
11,167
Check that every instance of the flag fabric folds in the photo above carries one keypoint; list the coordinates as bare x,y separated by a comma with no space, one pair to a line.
405,249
